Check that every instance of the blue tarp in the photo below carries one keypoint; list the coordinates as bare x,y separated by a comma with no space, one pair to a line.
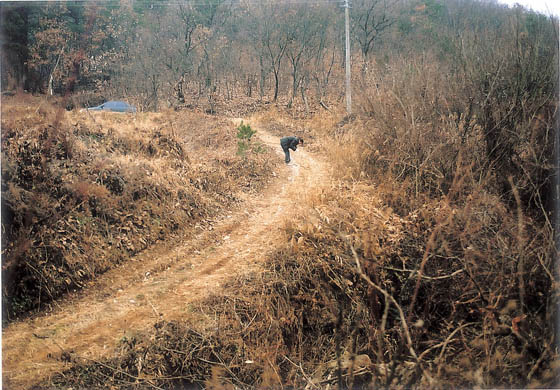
115,106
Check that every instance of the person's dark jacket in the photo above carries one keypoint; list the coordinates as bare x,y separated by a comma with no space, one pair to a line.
289,143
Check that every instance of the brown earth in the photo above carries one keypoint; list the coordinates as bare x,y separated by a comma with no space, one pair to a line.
164,282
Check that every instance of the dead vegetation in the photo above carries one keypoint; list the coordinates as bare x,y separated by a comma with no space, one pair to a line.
427,262
385,281
312,318
83,192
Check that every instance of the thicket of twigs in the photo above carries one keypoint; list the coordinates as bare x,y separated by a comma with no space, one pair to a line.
83,192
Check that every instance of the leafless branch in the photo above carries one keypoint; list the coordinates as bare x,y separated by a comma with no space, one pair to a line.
399,308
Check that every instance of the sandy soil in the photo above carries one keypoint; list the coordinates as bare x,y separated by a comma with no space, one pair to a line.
163,282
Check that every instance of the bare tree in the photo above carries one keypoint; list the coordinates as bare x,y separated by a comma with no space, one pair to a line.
370,18
323,67
304,30
275,39
256,39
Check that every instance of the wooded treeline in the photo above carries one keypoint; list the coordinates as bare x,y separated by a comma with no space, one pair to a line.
157,52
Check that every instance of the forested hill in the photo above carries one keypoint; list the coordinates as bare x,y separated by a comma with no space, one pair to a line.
160,53
409,243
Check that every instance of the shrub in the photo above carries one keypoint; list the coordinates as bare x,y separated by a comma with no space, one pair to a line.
244,134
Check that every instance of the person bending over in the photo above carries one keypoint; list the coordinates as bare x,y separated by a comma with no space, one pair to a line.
288,143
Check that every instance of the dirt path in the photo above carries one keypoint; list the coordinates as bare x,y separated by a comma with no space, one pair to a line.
163,282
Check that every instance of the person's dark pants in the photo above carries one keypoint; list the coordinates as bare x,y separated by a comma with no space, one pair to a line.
287,153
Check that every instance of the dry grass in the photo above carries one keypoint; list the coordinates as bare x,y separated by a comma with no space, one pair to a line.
456,292
412,269
311,312
83,192
428,261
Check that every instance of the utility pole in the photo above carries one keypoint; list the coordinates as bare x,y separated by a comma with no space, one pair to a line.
348,86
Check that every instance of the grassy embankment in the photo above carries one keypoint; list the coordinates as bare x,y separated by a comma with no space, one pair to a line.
82,193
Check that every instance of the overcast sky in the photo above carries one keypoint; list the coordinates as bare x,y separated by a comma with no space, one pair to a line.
546,6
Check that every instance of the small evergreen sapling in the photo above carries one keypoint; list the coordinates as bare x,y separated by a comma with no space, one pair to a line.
244,134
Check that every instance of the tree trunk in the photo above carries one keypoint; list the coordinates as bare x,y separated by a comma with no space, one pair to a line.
263,77
276,85
228,88
155,92
51,77
304,97
294,88
250,81
179,90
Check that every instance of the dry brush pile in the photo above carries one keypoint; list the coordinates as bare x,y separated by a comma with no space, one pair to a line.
82,193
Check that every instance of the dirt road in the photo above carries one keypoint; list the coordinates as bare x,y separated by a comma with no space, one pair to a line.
163,282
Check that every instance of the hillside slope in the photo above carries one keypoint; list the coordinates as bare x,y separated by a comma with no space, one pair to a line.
83,193
161,283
